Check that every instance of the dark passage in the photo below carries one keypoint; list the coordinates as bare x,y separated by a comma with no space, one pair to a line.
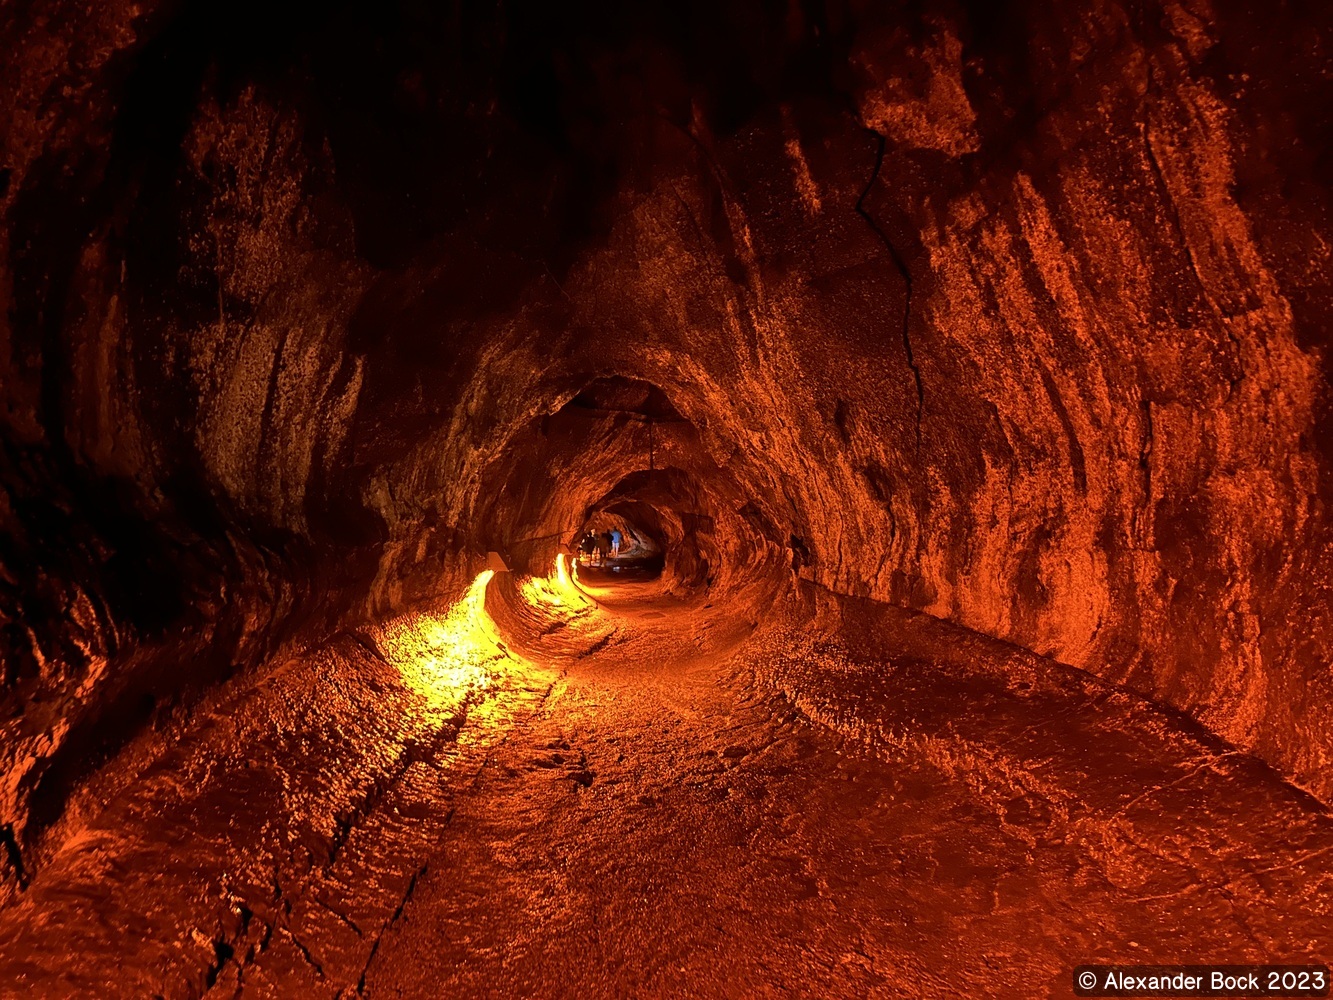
662,499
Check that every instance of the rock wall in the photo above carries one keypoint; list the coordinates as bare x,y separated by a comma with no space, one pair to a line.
1031,344
1016,316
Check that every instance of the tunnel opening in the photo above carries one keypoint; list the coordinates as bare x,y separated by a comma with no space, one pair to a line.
677,513
955,379
614,544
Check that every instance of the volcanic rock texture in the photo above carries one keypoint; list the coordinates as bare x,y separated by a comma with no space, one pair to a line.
1012,314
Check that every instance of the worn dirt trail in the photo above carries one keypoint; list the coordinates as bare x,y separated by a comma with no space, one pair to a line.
634,801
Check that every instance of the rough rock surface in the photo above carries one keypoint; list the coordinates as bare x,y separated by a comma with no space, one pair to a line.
1017,316
648,796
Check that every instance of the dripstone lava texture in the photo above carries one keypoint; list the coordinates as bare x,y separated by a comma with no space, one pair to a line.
1015,315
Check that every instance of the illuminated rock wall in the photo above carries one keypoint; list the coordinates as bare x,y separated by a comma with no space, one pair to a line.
1018,320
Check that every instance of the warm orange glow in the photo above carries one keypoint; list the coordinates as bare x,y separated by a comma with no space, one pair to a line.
589,591
448,656
557,590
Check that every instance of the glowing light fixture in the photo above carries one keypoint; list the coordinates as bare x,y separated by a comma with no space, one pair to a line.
445,657
557,590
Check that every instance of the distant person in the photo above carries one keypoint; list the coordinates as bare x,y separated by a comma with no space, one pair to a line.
615,543
587,547
603,546
800,556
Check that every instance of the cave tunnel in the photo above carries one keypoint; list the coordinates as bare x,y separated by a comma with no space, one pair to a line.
955,374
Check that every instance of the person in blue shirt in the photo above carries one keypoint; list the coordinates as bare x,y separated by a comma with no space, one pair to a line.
615,543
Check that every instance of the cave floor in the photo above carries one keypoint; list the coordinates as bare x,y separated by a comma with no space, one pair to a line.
637,804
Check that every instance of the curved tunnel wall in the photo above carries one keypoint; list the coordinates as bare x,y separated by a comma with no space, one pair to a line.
1021,333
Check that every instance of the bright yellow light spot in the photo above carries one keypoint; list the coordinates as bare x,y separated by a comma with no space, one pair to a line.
557,590
446,657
